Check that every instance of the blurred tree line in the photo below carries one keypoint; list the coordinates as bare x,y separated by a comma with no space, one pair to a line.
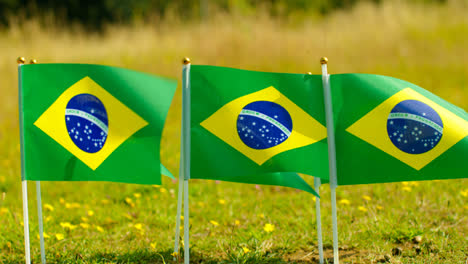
94,14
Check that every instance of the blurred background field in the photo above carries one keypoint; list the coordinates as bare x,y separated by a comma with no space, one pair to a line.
423,42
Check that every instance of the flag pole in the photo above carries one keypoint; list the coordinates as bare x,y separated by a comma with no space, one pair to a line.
24,183
317,184
39,209
331,153
179,201
186,152
39,216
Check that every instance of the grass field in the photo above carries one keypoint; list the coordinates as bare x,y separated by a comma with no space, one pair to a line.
232,223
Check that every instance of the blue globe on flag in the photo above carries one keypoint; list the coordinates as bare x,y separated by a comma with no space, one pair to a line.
87,123
264,124
414,127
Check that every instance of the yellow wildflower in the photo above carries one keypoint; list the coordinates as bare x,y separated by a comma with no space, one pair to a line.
138,226
362,209
48,207
406,189
44,234
90,212
314,198
153,245
344,202
246,250
261,215
2,179
366,197
379,207
3,210
105,201
48,218
405,183
68,225
221,201
269,228
214,223
163,190
201,204
414,183
156,186
137,195
59,236
84,225
181,217
237,222
61,200
100,229
175,254
72,205
84,219
129,201
464,193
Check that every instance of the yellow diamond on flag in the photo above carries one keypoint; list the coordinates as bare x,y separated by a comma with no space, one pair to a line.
89,122
411,128
263,124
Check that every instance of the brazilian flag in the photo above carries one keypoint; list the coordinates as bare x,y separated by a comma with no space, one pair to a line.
257,127
389,130
92,123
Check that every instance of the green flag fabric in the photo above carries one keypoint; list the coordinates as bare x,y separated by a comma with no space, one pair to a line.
84,122
251,127
389,130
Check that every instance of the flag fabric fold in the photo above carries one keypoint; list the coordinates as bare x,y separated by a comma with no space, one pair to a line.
86,122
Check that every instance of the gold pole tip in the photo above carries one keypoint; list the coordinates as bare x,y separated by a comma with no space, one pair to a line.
20,60
186,61
323,60
33,61
309,73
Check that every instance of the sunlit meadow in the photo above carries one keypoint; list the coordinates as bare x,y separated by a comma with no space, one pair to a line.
236,223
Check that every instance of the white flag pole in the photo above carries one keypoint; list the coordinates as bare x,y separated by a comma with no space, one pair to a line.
186,152
27,253
186,223
39,216
331,153
39,209
24,183
317,184
179,203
